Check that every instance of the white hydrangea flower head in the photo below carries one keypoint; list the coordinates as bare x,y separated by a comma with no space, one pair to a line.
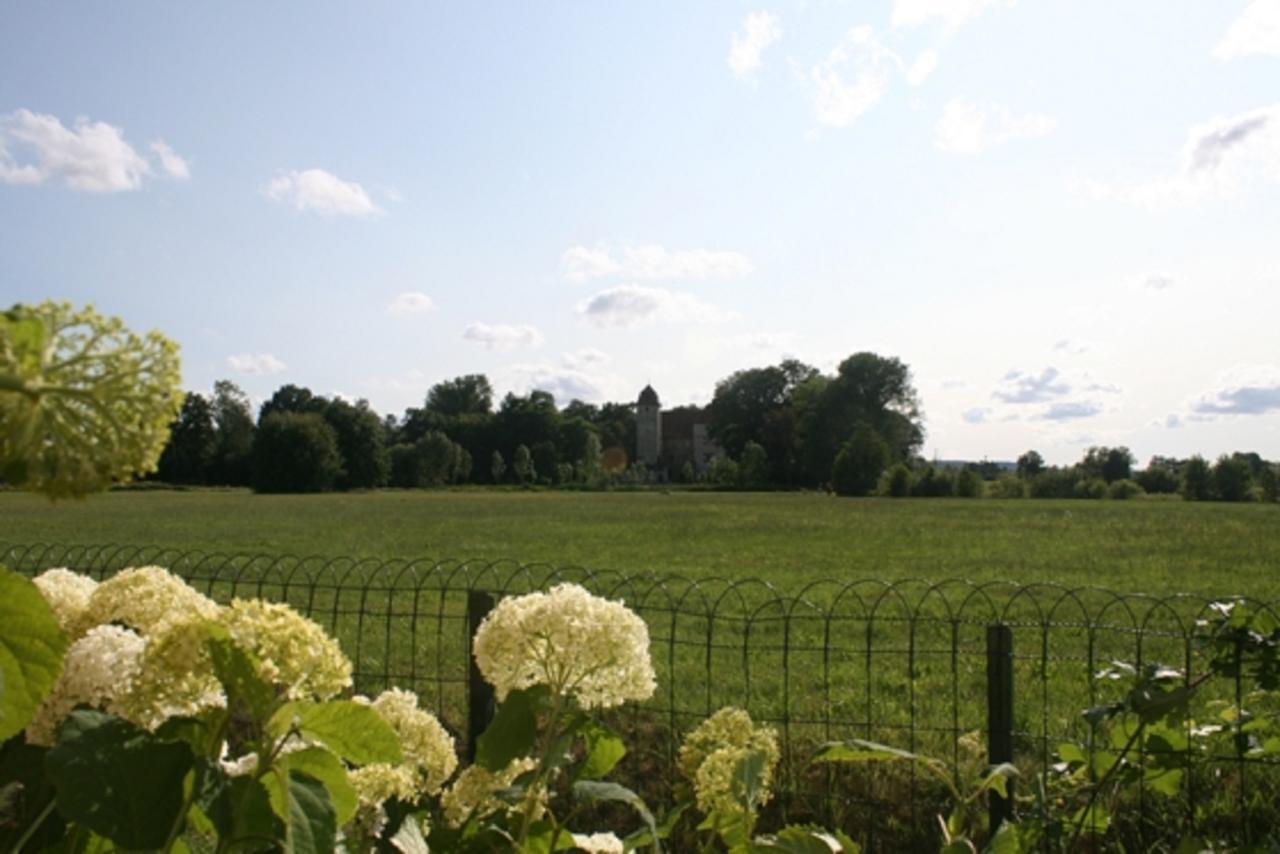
598,843
475,792
712,751
176,678
428,749
145,599
67,593
379,782
579,645
98,670
294,653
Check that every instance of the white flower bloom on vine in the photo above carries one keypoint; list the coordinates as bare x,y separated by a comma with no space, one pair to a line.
579,645
98,670
146,599
711,753
67,593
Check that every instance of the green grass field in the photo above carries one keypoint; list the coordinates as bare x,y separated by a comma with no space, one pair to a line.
787,538
856,666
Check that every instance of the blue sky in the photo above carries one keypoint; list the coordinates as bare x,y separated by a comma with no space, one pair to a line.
1062,216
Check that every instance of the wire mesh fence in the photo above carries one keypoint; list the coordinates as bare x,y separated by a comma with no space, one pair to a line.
902,662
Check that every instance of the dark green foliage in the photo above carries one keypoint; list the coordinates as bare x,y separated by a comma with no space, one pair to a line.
1157,479
1231,479
291,398
522,464
193,443
1269,482
1053,483
295,452
1124,489
545,460
465,395
361,443
969,484
1108,464
233,421
1008,486
1090,487
932,482
723,471
899,485
1197,480
862,458
753,467
756,406
497,467
1030,464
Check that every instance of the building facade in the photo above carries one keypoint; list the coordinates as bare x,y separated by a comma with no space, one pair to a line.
665,441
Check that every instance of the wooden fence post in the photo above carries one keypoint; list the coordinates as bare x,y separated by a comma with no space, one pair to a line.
999,714
480,699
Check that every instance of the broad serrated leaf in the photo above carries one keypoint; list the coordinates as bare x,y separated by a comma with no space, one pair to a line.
596,790
353,731
513,731
322,765
605,750
118,780
31,648
240,808
312,825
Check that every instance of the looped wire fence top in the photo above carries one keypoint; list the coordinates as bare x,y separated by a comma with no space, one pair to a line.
900,661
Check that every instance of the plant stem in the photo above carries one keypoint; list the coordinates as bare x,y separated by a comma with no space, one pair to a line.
35,825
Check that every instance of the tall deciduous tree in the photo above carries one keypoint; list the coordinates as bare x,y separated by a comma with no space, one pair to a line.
466,395
361,442
295,452
862,458
1030,464
193,443
233,421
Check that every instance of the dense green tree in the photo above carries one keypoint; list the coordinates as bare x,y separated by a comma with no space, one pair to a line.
1231,480
292,398
753,467
1030,464
1160,477
439,458
295,452
588,464
462,464
361,443
1269,482
969,483
497,467
466,395
406,467
233,421
1197,479
857,467
193,443
1108,464
933,482
616,423
525,420
545,460
899,484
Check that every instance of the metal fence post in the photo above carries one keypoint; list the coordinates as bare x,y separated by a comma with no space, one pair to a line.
999,714
480,699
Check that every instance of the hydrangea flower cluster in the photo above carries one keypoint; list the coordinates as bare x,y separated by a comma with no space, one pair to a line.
145,599
579,645
475,791
98,670
176,678
429,757
598,843
712,751
294,653
67,593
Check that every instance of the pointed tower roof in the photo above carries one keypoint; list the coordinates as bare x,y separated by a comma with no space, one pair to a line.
648,397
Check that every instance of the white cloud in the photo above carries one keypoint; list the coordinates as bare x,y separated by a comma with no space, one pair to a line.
255,363
949,13
585,358
1243,390
502,336
322,192
1255,33
853,78
1073,346
410,303
976,415
969,128
1219,156
1070,410
629,305
89,156
564,384
1020,387
651,261
758,31
173,165
925,64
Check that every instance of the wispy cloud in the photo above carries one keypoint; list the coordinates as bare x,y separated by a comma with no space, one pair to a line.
970,128
255,364
502,336
856,73
410,303
1020,387
1218,157
585,358
651,261
564,384
976,415
89,156
1243,390
949,13
1255,33
630,305
321,192
757,32
1070,410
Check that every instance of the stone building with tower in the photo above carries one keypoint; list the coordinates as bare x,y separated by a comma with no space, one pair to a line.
665,441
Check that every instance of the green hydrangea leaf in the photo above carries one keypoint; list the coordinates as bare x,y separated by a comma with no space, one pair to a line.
320,764
352,730
514,728
31,648
118,780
